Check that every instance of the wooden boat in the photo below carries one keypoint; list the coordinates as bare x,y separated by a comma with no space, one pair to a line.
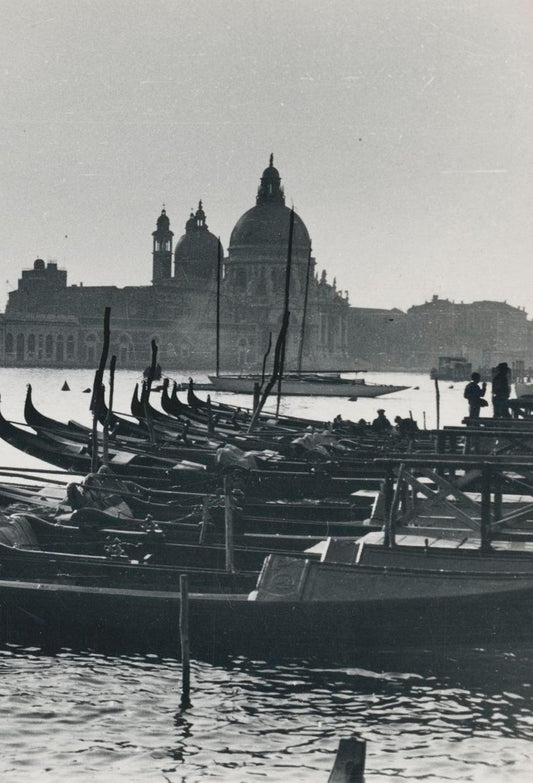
308,385
298,605
239,412
74,456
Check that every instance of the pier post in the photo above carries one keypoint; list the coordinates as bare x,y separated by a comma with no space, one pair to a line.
185,642
387,501
486,480
497,501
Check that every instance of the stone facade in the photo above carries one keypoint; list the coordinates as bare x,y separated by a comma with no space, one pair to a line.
485,333
50,323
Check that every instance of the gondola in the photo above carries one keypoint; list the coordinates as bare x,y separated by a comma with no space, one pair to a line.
298,605
76,457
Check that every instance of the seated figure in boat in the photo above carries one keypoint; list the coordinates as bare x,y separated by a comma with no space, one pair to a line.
406,427
381,424
101,490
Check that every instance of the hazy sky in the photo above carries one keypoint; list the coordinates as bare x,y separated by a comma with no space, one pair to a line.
402,129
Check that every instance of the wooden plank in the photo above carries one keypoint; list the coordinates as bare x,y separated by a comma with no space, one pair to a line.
349,766
473,524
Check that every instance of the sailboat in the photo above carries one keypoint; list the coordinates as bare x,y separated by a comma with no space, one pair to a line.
308,383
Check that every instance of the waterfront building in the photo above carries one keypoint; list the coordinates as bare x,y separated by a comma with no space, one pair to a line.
484,332
50,323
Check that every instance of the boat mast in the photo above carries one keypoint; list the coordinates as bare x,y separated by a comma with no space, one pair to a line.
219,260
285,305
304,314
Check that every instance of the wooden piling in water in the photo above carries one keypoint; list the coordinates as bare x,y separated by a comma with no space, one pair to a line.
185,642
229,510
349,766
437,401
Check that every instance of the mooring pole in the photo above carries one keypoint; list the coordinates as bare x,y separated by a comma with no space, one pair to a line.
437,401
94,438
96,396
185,642
229,525
219,264
210,428
109,413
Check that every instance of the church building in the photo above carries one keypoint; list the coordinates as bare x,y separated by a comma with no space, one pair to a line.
50,323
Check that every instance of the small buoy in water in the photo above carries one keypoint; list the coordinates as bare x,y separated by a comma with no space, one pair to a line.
86,391
65,387
416,388
450,387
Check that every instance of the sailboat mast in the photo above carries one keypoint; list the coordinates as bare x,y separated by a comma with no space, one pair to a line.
219,263
304,314
286,305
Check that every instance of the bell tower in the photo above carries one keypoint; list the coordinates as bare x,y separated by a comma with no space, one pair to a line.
162,249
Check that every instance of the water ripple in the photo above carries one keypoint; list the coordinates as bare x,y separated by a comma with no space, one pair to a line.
77,717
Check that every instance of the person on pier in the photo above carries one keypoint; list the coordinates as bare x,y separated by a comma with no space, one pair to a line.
501,391
475,393
381,423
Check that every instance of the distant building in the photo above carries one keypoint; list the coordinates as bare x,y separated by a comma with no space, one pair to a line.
50,323
483,332
376,338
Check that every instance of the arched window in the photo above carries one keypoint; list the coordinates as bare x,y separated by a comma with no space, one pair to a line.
60,348
125,349
10,345
31,344
20,346
70,347
49,346
90,348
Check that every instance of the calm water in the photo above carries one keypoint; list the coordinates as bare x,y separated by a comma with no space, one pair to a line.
453,714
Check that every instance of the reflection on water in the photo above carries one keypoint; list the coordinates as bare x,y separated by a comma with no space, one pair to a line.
453,714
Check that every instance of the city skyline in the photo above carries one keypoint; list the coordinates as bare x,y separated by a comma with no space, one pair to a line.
400,130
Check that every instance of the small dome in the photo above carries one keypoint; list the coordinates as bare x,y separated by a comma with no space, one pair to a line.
196,251
38,265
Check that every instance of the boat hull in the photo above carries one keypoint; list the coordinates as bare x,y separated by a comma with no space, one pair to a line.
380,616
305,388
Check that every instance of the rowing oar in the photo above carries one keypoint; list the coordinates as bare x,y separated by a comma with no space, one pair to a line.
56,471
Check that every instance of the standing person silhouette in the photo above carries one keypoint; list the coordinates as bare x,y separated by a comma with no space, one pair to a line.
474,393
501,391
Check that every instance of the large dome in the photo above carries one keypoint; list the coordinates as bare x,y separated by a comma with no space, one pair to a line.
267,224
